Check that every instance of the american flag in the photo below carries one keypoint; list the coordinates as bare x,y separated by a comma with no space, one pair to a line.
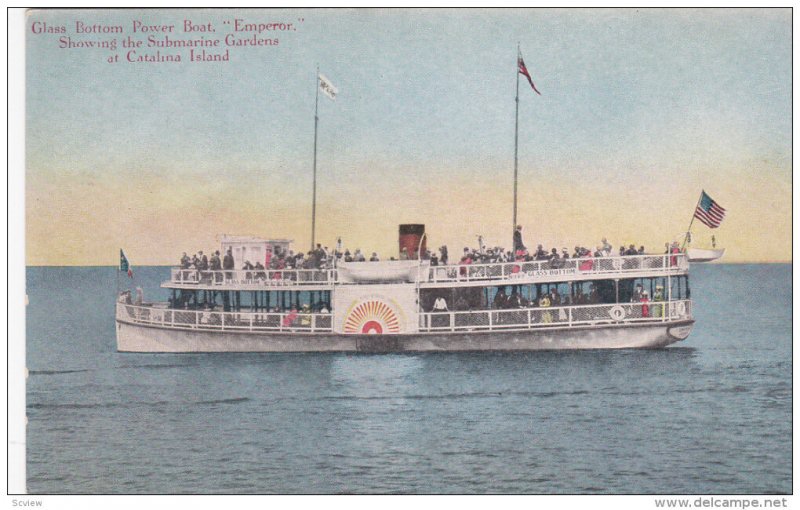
524,71
708,211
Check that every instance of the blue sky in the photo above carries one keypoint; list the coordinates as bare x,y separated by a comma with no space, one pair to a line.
640,109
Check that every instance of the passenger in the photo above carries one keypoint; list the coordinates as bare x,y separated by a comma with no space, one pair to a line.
443,255
594,295
577,254
599,252
637,294
540,253
290,318
319,254
374,257
544,302
555,297
555,260
440,305
247,265
196,261
216,263
267,257
564,254
586,264
622,251
404,254
518,245
645,307
202,261
607,248
185,261
631,250
359,257
466,260
305,318
500,299
658,296
673,261
434,260
347,256
261,275
641,250
514,300
227,261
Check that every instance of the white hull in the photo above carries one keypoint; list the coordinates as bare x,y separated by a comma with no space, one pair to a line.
141,338
701,255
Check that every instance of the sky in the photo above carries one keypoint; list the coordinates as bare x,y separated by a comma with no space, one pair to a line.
639,111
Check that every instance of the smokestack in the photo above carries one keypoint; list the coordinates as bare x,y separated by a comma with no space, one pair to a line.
409,238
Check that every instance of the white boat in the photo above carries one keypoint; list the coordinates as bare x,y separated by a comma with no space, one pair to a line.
704,255
389,307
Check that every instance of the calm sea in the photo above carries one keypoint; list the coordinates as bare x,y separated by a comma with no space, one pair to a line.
712,414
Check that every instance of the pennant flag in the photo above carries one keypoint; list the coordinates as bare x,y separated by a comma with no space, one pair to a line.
123,264
524,71
327,87
709,212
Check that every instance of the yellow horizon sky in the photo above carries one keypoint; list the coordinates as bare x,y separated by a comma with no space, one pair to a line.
641,109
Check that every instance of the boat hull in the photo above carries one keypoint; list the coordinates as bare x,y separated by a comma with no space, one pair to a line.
145,338
702,255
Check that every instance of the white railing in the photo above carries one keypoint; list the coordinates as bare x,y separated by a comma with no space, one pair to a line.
535,269
564,316
543,269
289,322
252,277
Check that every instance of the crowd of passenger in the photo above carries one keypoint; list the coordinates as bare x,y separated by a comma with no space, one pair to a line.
324,258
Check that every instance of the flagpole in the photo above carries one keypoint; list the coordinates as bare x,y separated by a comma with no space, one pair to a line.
688,230
516,144
314,192
116,278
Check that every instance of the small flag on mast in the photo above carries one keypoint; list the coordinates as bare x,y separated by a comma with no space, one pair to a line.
123,264
708,211
524,71
327,87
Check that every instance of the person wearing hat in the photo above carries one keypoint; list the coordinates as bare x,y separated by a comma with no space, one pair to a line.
305,318
637,294
645,307
658,296
374,257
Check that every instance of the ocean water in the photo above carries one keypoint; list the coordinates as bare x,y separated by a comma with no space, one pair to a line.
712,414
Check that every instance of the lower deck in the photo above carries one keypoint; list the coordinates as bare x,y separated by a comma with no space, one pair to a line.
521,319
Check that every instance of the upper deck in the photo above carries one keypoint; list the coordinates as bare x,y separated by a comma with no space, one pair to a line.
426,276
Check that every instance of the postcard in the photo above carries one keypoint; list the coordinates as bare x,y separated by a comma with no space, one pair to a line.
408,251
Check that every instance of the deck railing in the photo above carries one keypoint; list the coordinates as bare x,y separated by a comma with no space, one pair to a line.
252,277
564,316
546,268
475,320
455,273
299,322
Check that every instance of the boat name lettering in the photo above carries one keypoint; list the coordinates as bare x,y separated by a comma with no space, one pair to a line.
554,272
